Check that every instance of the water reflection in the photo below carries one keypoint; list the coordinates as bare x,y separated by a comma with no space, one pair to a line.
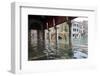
77,51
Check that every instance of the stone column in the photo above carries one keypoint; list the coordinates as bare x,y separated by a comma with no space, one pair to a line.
69,25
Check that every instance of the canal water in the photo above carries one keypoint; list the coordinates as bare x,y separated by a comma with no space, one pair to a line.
79,50
80,47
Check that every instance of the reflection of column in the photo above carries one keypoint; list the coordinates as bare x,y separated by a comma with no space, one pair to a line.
38,39
43,39
55,32
46,41
57,28
69,24
48,35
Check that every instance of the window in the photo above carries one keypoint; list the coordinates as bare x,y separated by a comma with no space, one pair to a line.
77,25
74,24
77,30
74,29
73,35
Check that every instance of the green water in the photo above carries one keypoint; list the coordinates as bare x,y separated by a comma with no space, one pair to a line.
80,41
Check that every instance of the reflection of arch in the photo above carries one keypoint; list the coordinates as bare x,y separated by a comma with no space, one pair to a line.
35,24
63,35
53,37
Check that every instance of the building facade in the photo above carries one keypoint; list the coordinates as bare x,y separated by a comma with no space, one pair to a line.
79,29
